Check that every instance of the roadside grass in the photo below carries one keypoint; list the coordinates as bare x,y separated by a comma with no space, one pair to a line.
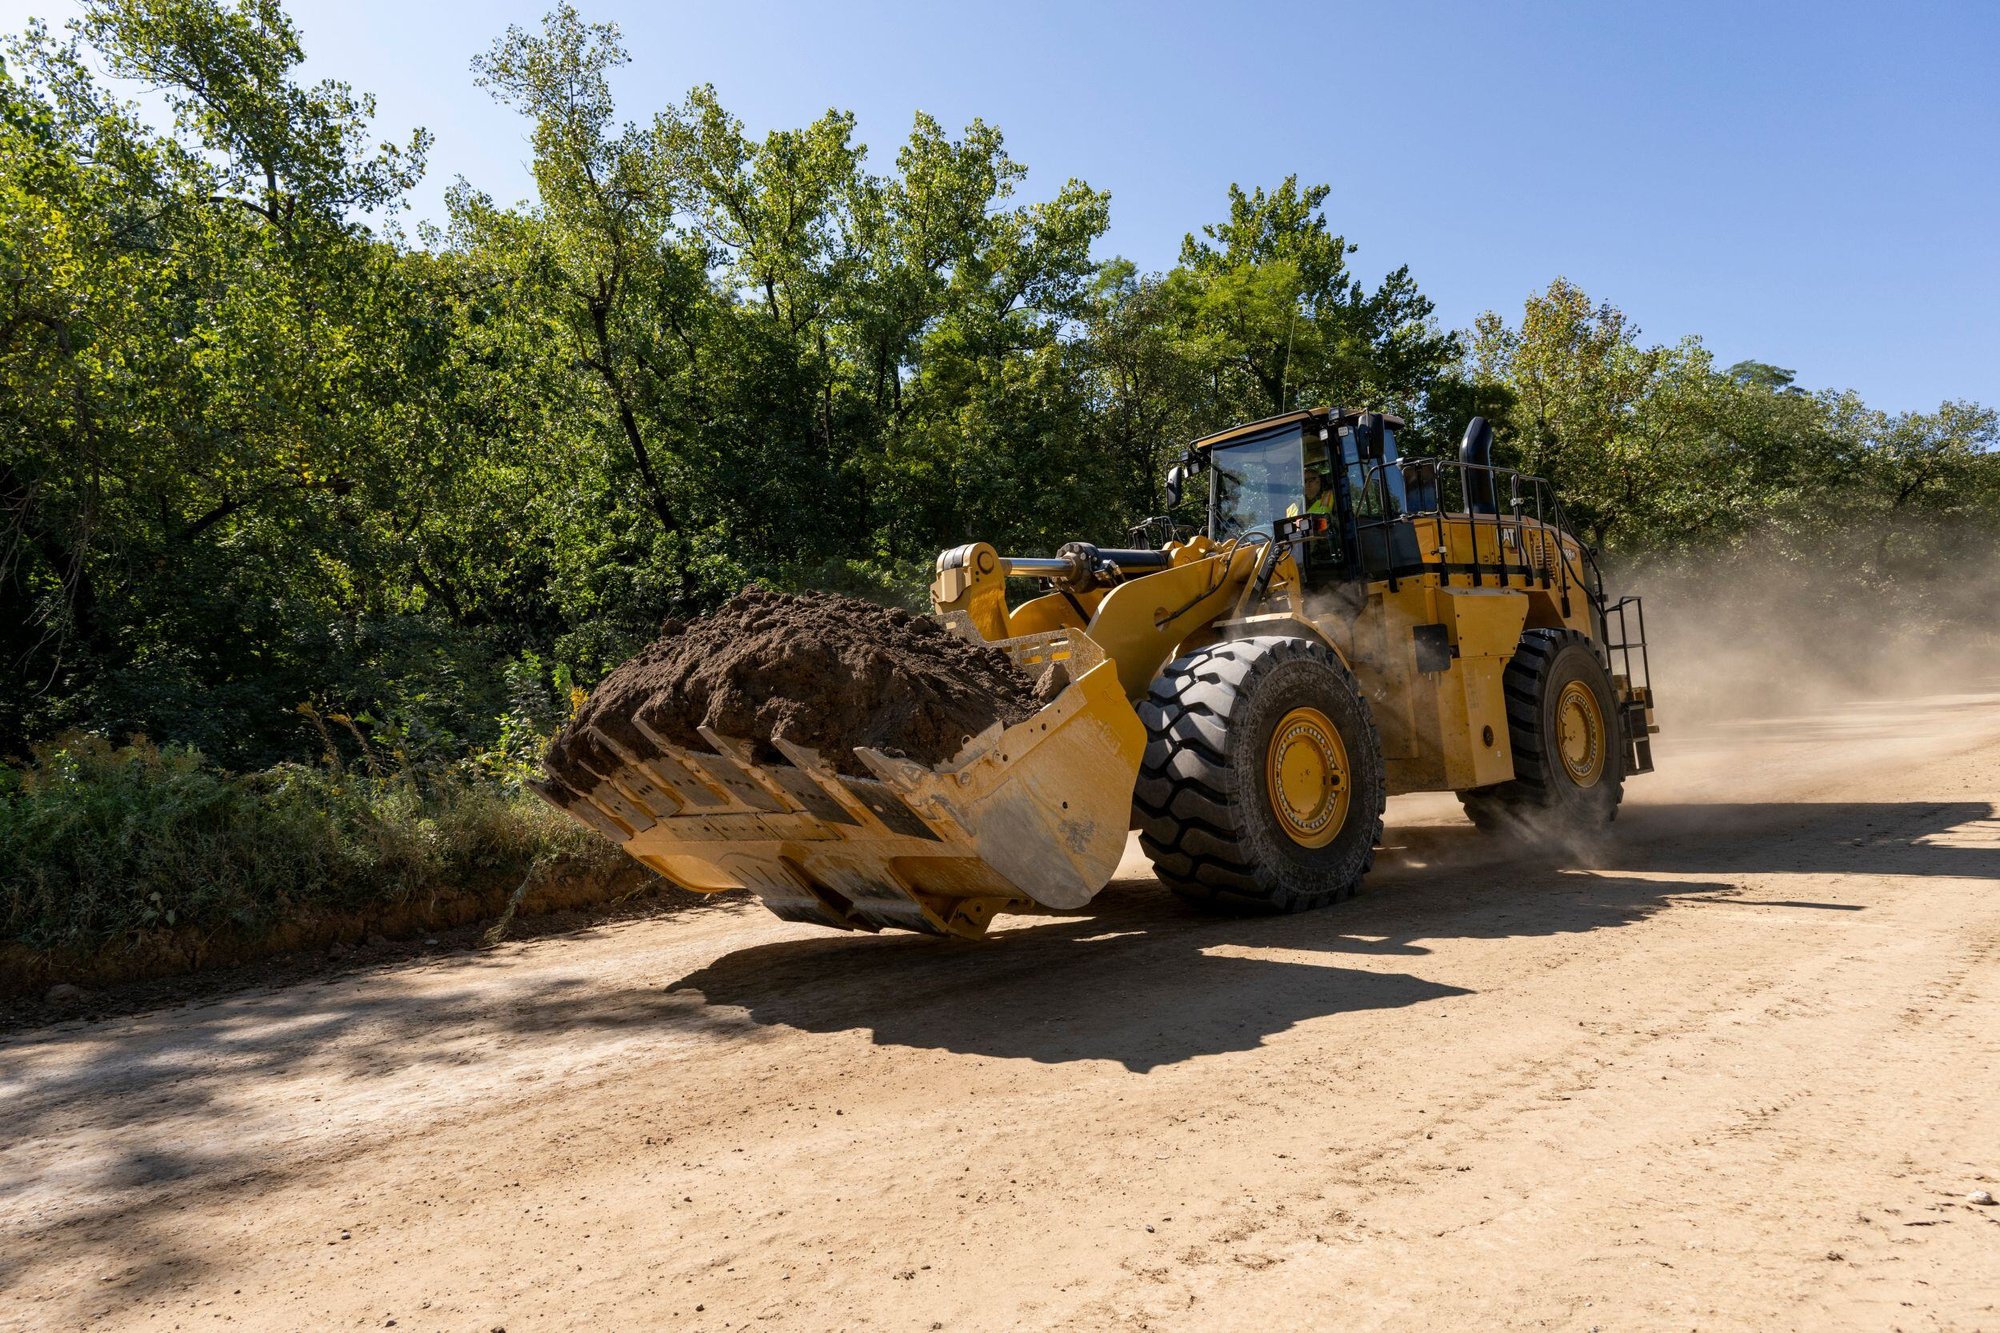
152,854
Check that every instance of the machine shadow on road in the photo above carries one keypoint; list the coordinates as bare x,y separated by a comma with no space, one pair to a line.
1145,980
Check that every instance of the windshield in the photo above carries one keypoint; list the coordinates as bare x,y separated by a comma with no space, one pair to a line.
1255,483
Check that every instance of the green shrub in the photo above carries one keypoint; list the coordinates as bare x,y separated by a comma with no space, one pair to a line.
102,844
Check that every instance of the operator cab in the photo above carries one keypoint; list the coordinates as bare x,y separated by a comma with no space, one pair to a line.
1258,484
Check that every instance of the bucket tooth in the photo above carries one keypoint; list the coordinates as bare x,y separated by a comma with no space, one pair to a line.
638,779
889,809
609,797
808,762
615,801
692,783
804,792
905,775
720,773
578,807
867,800
647,759
740,754
730,776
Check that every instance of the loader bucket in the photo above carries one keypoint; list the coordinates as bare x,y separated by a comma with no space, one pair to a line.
1022,818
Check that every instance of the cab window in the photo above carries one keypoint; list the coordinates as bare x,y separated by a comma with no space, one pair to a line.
1254,483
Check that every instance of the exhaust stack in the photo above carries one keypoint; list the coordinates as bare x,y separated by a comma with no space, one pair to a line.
1476,452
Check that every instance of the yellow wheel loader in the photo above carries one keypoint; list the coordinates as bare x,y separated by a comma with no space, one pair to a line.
1350,624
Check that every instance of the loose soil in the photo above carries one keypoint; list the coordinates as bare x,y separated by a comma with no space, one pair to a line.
817,669
1733,1070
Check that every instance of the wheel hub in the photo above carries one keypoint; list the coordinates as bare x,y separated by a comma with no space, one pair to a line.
1580,733
1306,777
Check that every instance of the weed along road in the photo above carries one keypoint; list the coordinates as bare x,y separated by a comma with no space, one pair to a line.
1738,1074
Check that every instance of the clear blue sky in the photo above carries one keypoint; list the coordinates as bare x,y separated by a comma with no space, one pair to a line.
1813,185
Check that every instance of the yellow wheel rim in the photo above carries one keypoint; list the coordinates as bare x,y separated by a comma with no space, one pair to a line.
1306,777
1580,733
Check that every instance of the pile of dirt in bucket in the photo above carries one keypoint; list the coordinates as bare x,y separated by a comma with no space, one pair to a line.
817,669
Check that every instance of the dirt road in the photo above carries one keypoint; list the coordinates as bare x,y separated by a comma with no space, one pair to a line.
1743,1072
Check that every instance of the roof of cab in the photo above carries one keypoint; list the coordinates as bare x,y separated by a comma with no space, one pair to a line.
1332,415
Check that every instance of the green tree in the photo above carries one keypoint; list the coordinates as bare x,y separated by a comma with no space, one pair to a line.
1654,449
1595,412
808,370
1276,320
195,356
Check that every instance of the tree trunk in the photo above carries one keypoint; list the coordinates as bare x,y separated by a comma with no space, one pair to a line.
628,421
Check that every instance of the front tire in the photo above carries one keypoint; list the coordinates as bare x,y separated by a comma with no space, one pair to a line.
1569,754
1262,786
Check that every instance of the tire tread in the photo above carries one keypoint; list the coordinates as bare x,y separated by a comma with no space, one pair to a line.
1186,795
1530,797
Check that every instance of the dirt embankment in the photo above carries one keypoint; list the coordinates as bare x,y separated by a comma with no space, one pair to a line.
816,669
311,933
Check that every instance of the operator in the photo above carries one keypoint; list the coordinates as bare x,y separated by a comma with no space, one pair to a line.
1319,493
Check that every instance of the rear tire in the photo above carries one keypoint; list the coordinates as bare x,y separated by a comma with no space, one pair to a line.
1569,753
1262,786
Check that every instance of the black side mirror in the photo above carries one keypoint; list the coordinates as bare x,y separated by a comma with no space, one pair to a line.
1368,436
1191,465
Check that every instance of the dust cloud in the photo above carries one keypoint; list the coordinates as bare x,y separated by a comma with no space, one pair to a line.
1746,636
